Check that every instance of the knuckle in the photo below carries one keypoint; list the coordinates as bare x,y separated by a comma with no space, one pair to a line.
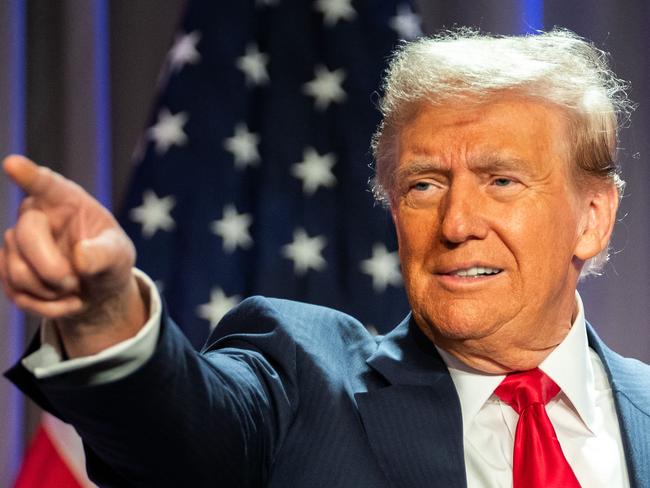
54,273
22,302
30,221
5,286
18,273
24,279
8,237
28,304
26,204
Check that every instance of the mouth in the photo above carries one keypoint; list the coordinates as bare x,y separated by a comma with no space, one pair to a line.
467,277
474,272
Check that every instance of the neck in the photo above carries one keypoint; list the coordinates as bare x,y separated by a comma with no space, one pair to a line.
504,352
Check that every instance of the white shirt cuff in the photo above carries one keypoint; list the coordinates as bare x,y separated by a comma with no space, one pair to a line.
113,363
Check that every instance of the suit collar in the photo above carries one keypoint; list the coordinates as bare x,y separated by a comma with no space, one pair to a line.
628,379
626,376
420,408
406,356
414,424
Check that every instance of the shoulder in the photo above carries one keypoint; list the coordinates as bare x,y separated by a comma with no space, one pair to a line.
273,323
627,376
616,364
631,372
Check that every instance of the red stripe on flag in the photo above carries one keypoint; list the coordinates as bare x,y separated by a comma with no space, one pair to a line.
43,466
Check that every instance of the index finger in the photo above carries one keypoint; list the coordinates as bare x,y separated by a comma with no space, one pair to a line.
35,180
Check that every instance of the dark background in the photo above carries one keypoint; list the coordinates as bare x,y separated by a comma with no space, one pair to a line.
54,109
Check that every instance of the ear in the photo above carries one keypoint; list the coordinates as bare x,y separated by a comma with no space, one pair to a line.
600,217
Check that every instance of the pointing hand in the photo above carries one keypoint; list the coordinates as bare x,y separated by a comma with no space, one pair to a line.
67,259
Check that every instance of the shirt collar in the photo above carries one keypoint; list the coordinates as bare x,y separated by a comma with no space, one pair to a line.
474,387
568,365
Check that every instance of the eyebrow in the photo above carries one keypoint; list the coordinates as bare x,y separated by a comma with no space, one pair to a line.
496,163
484,163
417,168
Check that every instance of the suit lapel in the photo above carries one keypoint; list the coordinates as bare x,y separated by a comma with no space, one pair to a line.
414,424
631,388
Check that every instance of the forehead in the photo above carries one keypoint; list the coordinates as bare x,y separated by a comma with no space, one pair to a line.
509,128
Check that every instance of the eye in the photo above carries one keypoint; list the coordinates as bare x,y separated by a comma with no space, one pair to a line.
502,181
422,186
504,186
423,193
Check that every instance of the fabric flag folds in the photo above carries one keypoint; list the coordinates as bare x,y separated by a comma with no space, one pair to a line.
55,458
252,177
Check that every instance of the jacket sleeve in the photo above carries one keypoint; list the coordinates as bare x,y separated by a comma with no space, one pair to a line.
184,418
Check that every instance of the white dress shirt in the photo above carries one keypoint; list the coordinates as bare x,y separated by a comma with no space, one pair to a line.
112,363
582,414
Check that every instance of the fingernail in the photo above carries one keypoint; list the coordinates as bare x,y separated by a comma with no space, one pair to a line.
69,282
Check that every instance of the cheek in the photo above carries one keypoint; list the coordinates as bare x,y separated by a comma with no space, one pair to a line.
416,233
541,240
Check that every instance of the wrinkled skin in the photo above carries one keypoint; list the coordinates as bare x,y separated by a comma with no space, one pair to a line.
68,260
489,185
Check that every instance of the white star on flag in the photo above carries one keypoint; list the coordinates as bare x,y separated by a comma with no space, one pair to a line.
406,23
326,87
266,3
184,51
218,306
168,131
315,170
305,252
253,64
383,267
154,213
233,229
335,10
243,146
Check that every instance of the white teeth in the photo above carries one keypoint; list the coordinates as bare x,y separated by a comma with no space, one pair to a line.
476,271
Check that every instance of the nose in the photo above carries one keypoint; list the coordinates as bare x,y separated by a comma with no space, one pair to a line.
462,214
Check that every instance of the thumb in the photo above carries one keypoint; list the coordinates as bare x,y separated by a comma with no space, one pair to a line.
110,252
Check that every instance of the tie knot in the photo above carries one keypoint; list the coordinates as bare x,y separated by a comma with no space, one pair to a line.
520,390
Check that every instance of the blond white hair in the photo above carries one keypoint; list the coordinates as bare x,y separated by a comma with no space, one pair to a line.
463,65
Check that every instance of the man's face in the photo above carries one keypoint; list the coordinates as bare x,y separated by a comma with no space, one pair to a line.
490,229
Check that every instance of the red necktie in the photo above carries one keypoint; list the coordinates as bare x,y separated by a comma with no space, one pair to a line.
538,459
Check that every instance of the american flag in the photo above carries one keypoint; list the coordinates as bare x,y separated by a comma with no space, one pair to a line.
253,174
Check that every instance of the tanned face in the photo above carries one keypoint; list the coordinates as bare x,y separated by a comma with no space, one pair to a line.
492,231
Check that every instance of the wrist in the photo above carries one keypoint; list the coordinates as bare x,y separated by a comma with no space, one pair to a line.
116,319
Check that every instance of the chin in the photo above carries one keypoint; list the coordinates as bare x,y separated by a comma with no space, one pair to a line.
458,321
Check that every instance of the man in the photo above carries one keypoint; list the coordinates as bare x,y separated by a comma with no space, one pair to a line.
496,159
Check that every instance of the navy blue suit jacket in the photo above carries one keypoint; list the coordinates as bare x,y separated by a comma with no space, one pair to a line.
294,395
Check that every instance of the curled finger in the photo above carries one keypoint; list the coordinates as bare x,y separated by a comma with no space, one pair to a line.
3,275
26,204
40,251
19,275
52,309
